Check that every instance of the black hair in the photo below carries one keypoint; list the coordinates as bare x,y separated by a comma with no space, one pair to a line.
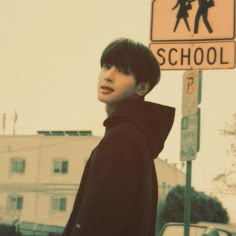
135,57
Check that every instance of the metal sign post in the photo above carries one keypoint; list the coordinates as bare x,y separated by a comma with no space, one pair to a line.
187,202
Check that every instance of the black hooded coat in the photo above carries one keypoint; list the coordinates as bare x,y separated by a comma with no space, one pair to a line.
118,192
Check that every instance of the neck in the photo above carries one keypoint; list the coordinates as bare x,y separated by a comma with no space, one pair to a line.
110,108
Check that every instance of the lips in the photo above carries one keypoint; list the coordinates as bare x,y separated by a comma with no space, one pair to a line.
107,89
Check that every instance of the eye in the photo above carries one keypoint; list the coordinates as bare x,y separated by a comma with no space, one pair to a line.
125,71
106,66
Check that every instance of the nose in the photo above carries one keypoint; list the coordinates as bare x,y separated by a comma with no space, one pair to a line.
110,74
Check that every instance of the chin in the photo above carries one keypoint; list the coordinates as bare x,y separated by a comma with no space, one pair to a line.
105,99
101,99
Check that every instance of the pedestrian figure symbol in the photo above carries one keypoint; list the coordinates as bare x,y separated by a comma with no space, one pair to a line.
184,6
202,11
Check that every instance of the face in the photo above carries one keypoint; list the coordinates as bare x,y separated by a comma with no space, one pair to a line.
115,84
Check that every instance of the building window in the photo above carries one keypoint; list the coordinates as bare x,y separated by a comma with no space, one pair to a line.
58,204
17,165
60,166
15,202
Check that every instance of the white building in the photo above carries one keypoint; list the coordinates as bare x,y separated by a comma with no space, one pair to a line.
40,175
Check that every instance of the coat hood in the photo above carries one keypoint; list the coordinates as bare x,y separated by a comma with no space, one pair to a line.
153,120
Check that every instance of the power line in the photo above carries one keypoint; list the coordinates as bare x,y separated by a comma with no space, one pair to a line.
46,145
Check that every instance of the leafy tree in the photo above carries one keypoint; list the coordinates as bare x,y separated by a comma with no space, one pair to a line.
230,131
173,210
203,207
227,181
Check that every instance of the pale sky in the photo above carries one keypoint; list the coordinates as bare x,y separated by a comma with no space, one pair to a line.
49,57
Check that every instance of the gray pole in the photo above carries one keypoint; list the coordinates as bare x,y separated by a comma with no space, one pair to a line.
187,208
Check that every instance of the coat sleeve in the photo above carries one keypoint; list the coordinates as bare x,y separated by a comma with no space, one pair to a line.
114,187
71,222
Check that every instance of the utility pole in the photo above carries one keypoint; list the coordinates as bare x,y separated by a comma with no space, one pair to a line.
3,122
14,123
4,119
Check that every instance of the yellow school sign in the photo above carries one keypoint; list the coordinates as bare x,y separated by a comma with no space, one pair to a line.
193,34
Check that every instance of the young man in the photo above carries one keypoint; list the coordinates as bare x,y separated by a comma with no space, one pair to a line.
118,190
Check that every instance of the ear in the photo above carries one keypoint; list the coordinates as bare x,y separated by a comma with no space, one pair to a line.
142,88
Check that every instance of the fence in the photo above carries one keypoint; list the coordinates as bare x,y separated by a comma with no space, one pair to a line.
18,230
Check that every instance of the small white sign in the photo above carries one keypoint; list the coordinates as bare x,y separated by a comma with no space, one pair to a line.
190,137
191,92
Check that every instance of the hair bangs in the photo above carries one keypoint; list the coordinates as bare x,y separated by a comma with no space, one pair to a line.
122,54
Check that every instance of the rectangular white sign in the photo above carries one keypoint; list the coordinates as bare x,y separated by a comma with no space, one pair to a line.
190,137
